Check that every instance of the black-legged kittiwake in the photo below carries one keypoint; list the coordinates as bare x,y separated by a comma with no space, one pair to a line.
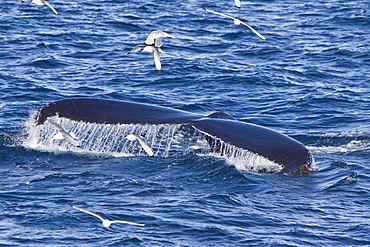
106,222
237,22
62,134
41,3
154,38
145,146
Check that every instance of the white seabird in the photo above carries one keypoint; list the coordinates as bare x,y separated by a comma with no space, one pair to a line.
237,22
155,50
238,4
62,134
107,223
145,146
154,38
41,3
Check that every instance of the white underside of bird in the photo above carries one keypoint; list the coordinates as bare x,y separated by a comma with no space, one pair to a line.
42,3
152,44
63,134
156,38
145,146
237,22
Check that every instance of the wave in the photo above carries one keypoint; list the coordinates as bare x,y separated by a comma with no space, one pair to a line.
344,142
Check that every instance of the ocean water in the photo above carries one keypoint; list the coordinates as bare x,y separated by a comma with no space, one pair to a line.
311,81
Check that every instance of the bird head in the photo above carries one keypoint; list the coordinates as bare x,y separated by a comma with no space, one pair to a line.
107,223
237,22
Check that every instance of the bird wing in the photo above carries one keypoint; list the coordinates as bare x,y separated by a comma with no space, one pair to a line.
57,126
237,3
52,8
253,30
150,39
127,222
58,136
88,212
157,60
145,146
136,48
158,42
62,134
153,36
218,13
69,138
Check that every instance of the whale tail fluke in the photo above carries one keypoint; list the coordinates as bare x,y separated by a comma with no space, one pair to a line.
220,129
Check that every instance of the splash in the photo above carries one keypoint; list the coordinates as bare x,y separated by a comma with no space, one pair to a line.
345,142
164,139
103,138
242,159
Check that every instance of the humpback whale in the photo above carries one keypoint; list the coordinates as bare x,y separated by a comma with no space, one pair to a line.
219,128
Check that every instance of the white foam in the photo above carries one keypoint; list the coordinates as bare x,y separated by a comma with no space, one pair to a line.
164,139
245,160
102,139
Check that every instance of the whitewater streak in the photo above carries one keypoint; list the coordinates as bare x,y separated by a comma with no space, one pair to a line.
164,139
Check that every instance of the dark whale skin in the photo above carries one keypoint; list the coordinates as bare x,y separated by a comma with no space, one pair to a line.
293,156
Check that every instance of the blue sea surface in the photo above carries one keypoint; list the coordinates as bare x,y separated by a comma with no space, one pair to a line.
310,81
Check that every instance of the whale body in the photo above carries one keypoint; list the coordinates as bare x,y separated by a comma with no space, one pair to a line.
218,128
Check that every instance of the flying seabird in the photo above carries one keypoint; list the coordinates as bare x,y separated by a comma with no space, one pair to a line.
107,223
238,4
154,38
148,48
237,22
145,146
41,3
62,134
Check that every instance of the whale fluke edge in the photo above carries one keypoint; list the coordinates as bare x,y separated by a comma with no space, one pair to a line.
292,155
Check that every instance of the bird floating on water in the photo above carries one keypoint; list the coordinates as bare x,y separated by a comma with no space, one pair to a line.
145,146
237,22
62,134
154,38
106,222
41,3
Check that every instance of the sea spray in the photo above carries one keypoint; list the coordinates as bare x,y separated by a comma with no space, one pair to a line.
164,139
